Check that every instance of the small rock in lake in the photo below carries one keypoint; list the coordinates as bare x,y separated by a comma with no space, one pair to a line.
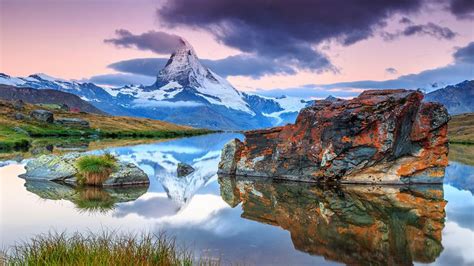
184,169
63,169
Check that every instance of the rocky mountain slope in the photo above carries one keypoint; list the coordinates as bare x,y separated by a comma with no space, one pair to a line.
185,92
46,96
458,99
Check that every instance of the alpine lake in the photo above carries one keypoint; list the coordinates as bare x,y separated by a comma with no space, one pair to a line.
248,221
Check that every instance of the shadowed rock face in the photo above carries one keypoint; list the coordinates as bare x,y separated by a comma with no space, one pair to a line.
352,224
382,136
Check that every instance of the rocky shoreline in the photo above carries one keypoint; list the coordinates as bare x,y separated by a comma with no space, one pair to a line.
381,137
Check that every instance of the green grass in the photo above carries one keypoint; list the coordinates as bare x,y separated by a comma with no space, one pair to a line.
100,249
95,169
12,140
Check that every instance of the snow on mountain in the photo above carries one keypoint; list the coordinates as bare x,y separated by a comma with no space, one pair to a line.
185,92
184,71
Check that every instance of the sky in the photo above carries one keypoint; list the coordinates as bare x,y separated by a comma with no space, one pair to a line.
309,48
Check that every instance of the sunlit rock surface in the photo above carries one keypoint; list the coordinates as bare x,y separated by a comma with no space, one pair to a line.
352,224
63,169
382,136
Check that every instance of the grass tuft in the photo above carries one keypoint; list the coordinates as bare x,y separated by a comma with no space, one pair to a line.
107,248
95,169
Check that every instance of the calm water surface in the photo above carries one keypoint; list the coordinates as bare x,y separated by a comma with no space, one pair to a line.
253,221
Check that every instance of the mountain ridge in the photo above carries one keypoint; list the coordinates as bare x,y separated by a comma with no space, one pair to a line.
183,87
458,98
46,96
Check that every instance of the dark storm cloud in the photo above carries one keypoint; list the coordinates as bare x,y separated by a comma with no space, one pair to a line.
463,9
429,29
244,65
285,31
140,66
405,20
465,54
391,70
155,41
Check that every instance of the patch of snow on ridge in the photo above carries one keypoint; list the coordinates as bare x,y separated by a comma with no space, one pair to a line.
12,81
288,104
168,91
113,91
222,89
167,104
47,77
291,104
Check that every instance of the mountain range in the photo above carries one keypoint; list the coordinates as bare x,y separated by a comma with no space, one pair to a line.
185,92
458,99
188,93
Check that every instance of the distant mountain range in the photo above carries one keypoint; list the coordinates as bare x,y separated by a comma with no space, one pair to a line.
458,99
187,93
46,96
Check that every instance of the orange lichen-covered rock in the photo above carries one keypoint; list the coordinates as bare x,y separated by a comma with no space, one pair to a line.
382,136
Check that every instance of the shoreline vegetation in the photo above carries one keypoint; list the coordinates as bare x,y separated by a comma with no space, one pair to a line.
18,131
103,248
461,129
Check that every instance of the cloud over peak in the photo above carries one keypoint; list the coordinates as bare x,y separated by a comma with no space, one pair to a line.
285,32
465,54
155,41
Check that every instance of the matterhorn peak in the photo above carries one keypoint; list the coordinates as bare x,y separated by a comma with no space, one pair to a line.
183,65
184,73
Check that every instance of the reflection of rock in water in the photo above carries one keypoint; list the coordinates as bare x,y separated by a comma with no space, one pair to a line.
351,224
90,199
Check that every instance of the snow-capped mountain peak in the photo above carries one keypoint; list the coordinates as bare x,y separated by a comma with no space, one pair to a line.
183,65
184,72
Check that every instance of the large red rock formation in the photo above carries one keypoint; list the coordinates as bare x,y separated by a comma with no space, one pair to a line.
382,136
352,224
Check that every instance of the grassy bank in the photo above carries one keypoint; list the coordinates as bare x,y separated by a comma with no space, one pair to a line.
18,134
101,249
461,129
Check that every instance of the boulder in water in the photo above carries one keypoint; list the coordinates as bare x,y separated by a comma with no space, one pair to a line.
184,169
382,136
63,169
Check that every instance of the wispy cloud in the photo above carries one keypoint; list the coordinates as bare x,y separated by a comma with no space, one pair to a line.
155,41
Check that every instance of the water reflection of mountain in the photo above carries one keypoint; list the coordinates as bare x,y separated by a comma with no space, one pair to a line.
350,224
160,162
